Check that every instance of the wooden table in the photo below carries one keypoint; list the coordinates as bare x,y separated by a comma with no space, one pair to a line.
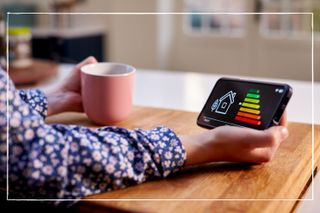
285,179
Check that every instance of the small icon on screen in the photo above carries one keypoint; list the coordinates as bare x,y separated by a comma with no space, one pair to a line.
223,104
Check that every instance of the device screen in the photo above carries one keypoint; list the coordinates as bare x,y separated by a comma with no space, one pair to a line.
243,103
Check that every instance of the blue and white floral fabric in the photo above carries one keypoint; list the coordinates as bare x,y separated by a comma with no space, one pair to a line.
68,161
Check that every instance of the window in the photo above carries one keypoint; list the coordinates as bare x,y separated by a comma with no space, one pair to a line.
288,25
218,24
256,45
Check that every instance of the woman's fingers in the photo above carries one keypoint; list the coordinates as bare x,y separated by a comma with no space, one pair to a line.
230,143
88,60
283,120
277,133
272,139
72,82
251,138
265,154
262,155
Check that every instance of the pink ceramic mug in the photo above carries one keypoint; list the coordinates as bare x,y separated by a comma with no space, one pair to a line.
107,90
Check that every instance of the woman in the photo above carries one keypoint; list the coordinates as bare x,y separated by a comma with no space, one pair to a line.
68,161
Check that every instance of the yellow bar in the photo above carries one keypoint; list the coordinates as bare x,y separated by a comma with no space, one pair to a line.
253,111
254,106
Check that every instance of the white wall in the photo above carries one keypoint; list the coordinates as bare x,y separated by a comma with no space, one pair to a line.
131,38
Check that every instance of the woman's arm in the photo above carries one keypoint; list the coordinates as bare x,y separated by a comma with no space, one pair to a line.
61,161
67,161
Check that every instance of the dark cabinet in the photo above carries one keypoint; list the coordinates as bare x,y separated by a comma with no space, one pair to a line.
69,49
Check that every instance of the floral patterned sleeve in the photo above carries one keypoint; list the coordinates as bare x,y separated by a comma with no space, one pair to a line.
36,100
68,161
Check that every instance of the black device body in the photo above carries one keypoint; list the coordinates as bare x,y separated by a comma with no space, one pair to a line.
238,102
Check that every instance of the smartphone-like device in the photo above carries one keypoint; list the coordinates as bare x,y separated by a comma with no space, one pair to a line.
237,102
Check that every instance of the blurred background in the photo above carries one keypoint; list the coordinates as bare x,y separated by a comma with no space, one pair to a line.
277,46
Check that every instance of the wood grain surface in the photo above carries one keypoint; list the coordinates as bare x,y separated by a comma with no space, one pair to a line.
286,177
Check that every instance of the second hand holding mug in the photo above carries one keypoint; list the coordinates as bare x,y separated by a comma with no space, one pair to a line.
107,91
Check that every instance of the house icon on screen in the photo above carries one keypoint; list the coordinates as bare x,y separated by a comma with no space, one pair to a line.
223,104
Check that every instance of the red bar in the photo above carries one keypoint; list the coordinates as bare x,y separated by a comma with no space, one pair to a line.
247,120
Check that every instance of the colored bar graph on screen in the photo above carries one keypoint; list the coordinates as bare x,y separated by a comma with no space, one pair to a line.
249,109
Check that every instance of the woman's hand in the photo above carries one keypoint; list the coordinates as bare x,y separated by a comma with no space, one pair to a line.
67,96
237,144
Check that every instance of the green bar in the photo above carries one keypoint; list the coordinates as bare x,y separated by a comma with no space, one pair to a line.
254,106
250,100
254,91
250,95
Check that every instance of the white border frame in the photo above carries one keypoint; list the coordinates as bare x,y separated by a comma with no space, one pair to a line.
168,13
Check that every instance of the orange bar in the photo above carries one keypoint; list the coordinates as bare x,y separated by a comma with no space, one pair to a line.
253,111
243,114
247,120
